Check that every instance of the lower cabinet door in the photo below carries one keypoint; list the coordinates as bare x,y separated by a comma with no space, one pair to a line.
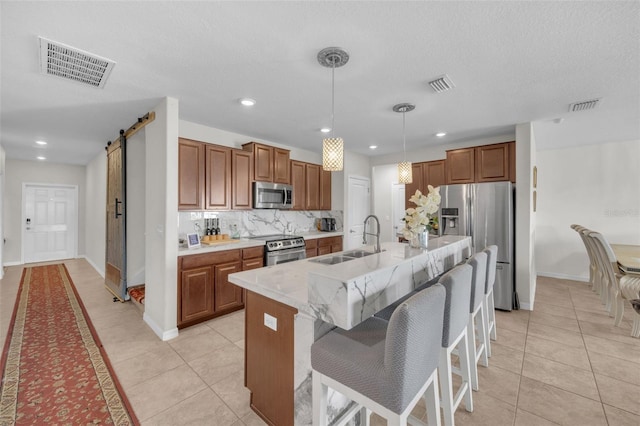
196,293
227,295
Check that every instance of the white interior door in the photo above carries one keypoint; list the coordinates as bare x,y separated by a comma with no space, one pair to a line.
49,217
397,211
359,201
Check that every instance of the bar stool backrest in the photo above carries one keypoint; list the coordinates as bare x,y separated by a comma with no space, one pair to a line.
479,264
457,282
492,259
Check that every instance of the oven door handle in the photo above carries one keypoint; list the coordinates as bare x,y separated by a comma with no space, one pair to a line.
286,251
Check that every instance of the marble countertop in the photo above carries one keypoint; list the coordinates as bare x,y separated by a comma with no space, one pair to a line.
246,243
344,293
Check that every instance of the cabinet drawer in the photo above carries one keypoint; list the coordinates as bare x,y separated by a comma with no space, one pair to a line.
248,253
256,263
204,259
311,243
329,241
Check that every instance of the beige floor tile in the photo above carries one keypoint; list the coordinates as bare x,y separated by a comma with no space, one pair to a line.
599,315
252,419
131,347
240,344
569,355
524,418
551,300
506,358
203,408
619,394
512,339
617,417
486,411
164,391
555,334
233,393
558,405
555,321
219,364
511,321
615,367
564,311
610,331
146,366
561,376
230,326
612,348
192,347
498,383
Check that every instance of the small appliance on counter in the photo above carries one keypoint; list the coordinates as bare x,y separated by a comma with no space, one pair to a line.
327,224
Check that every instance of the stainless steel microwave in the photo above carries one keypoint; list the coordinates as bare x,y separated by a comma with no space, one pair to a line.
267,195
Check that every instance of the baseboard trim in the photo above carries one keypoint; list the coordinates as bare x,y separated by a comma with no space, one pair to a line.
563,276
525,306
17,263
164,335
98,270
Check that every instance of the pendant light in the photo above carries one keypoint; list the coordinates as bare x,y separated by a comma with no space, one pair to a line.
332,148
405,174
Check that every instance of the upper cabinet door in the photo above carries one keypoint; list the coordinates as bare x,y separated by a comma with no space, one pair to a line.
416,183
281,170
325,190
241,171
298,182
512,161
461,166
434,174
492,163
191,180
262,161
218,178
312,186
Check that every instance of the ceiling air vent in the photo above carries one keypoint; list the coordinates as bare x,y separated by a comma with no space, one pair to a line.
442,84
581,106
64,61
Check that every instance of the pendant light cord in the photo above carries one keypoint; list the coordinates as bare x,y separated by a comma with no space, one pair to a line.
404,137
333,95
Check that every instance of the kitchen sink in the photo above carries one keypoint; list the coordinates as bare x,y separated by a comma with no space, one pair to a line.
344,257
357,253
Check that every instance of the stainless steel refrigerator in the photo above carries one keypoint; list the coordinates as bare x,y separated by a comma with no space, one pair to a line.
485,212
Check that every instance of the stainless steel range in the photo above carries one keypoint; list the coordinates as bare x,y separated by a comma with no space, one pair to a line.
282,248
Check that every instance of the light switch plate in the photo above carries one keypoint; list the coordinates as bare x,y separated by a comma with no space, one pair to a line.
271,322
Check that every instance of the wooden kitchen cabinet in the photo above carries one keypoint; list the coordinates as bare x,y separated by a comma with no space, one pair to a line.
492,163
434,174
311,248
512,162
218,177
241,177
281,164
227,296
329,245
204,290
461,166
312,186
191,175
298,181
325,190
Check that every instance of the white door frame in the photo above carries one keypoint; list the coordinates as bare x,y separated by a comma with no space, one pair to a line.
349,219
395,220
74,225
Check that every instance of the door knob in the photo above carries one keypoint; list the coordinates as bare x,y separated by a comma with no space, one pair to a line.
351,231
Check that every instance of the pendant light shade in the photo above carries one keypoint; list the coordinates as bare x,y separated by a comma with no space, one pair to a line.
332,148
405,174
332,154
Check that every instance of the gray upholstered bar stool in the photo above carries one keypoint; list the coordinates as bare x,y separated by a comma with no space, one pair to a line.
384,366
477,317
457,282
492,262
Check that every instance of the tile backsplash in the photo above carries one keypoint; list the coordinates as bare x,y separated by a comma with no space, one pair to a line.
249,223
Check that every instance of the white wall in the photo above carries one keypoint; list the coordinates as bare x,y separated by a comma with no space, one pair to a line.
597,186
525,272
135,209
96,194
383,177
2,178
161,220
18,172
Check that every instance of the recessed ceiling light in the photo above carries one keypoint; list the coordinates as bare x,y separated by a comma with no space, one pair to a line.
247,101
41,157
441,134
41,142
325,130
373,146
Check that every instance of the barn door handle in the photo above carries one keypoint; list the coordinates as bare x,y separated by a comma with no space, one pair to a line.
118,214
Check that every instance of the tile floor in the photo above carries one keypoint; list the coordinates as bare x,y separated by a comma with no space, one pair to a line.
564,363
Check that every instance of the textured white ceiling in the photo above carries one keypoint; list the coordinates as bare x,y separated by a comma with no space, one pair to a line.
512,62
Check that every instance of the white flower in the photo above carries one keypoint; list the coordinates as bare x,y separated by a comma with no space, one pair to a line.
420,218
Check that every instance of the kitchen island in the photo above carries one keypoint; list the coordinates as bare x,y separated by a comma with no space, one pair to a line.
289,306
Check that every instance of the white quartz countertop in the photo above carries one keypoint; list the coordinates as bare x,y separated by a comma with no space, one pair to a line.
344,293
246,243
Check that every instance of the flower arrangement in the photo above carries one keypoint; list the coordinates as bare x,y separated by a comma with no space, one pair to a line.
422,218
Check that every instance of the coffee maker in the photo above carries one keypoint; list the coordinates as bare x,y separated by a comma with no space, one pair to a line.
327,224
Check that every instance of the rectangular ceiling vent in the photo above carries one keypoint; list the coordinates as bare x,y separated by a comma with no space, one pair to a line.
64,61
581,106
442,84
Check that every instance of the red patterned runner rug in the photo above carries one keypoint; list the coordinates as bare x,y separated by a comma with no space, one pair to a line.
54,369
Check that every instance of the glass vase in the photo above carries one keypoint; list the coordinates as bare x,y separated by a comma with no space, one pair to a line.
420,240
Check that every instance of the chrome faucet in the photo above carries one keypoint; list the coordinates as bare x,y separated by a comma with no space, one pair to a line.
377,234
